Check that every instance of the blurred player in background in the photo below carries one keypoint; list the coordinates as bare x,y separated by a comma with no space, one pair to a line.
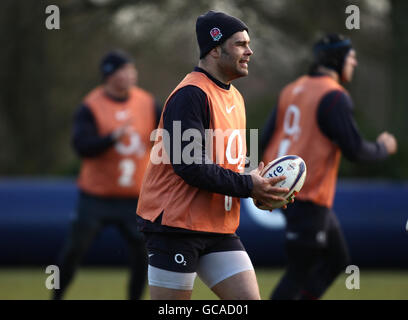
189,212
314,119
111,134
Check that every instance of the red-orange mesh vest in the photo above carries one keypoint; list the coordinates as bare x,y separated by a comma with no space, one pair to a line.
185,206
297,132
118,172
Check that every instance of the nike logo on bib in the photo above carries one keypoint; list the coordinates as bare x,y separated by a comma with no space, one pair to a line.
230,108
291,235
122,115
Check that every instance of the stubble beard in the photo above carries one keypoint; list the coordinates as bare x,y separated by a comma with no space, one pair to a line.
232,68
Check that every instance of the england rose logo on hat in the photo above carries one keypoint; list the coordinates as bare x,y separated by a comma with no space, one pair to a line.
216,34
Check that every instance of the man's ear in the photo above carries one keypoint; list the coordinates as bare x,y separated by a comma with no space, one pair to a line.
215,52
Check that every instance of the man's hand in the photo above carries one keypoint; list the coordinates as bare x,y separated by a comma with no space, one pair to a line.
264,190
121,131
389,141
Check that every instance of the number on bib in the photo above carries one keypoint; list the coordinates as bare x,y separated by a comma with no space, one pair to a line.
228,203
127,168
291,128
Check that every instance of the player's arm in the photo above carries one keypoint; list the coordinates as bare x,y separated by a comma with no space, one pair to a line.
85,138
336,120
190,106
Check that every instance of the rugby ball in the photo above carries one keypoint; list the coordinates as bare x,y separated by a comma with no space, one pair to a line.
293,168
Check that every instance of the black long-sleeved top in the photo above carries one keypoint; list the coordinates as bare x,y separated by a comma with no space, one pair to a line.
335,119
85,138
189,105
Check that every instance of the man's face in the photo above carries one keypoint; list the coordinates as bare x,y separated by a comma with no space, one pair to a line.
350,63
125,77
235,53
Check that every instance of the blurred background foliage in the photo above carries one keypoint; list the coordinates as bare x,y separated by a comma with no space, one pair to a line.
46,73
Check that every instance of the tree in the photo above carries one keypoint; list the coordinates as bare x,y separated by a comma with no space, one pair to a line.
47,72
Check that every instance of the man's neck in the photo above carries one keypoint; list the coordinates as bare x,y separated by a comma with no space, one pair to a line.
115,93
328,72
212,70
216,81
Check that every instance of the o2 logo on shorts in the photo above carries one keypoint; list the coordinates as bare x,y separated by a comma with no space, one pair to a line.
179,258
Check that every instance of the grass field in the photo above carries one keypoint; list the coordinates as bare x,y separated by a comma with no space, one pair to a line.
104,284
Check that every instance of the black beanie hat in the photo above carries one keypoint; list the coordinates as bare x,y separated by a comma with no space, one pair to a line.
331,52
213,28
112,61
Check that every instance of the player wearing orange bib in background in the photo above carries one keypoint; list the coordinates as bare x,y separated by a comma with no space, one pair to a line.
314,121
189,211
112,135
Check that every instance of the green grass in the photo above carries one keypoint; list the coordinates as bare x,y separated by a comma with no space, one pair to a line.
103,283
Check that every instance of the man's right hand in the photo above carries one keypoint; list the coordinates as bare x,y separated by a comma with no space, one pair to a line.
121,131
264,190
389,141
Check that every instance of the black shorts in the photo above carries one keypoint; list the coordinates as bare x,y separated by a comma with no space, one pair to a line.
311,225
175,259
314,239
95,213
180,252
